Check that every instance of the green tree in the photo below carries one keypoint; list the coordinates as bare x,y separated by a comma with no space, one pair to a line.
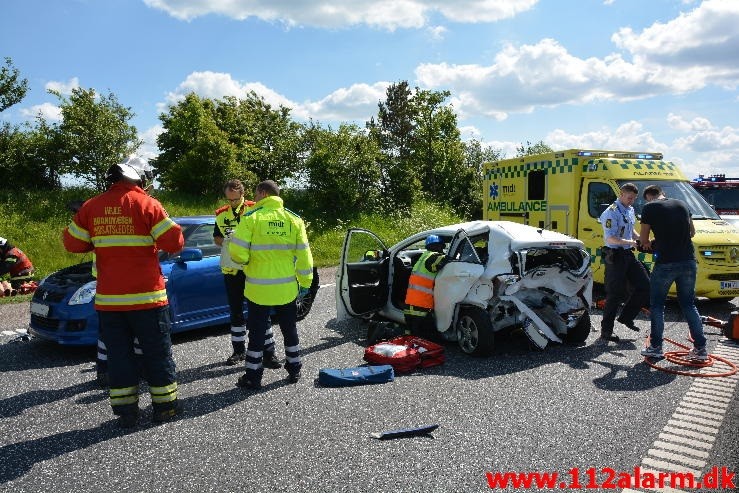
528,149
12,88
394,132
342,170
439,154
215,140
196,155
268,142
476,155
94,134
24,155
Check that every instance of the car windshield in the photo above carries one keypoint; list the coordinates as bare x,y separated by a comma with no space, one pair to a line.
197,236
697,205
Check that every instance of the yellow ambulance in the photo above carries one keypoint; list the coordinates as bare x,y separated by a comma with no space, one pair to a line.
566,191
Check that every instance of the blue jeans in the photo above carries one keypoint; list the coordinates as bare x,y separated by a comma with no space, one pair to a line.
683,275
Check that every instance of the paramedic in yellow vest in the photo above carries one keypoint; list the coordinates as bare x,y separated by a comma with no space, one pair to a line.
272,245
227,218
419,297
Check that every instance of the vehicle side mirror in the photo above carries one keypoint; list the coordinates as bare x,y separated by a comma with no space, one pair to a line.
189,255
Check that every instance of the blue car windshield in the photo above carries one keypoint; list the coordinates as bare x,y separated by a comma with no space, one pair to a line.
187,230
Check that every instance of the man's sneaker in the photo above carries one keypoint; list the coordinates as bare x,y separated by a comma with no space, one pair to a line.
696,354
245,383
236,357
165,415
652,352
269,360
293,377
128,420
630,325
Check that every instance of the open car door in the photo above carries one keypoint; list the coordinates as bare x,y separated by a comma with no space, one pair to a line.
455,279
362,276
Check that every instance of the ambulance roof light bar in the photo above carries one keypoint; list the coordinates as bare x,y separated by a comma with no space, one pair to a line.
622,155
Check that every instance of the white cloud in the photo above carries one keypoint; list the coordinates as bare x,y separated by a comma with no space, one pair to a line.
64,88
629,136
47,111
686,54
149,147
384,14
358,102
709,138
544,74
706,150
677,122
355,103
437,33
217,85
468,132
696,48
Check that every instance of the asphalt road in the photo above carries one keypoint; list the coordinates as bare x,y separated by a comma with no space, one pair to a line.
520,410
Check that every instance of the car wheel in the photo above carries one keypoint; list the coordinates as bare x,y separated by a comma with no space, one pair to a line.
580,331
306,302
304,305
475,331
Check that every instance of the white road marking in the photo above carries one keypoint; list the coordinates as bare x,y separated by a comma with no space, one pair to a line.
695,423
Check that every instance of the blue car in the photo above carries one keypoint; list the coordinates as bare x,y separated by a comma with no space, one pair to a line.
62,308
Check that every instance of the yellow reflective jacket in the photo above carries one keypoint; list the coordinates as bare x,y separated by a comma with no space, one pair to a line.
271,242
227,219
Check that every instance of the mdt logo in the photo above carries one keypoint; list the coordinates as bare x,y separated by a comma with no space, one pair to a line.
276,224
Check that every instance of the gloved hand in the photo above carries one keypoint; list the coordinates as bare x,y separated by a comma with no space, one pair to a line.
303,292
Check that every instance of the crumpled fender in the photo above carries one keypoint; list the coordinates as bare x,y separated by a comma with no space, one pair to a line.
536,320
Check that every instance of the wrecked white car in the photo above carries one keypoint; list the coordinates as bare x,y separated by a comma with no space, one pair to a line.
502,276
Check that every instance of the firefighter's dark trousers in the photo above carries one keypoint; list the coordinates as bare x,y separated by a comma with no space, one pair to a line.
152,328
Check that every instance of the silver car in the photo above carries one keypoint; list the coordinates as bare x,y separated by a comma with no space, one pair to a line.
502,276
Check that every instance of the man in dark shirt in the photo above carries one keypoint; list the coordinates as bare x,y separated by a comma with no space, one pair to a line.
674,261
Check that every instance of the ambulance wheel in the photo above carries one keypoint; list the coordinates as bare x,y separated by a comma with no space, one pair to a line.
475,331
580,331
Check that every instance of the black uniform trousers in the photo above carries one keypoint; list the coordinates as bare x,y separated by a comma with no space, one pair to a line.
258,320
627,281
235,294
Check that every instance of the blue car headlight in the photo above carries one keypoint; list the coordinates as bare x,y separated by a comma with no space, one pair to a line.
85,294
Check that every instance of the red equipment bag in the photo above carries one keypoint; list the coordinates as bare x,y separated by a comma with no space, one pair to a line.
405,353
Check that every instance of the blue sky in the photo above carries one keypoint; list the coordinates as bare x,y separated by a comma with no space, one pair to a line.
647,75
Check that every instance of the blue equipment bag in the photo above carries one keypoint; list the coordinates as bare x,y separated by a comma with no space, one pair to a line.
361,375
